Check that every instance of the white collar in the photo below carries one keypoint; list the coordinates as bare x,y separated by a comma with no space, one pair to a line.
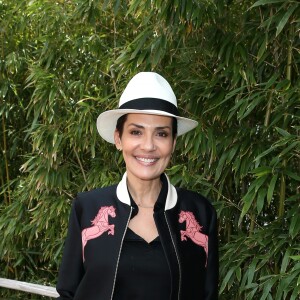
123,195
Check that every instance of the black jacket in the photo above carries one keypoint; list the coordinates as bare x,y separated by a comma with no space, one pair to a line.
187,226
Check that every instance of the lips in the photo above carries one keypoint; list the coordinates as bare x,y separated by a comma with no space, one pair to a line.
147,160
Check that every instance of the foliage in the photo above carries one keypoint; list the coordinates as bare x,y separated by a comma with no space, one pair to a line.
235,68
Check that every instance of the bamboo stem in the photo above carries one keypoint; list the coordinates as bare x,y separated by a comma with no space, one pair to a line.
6,197
113,76
80,164
229,232
5,159
252,224
282,194
2,184
268,111
284,163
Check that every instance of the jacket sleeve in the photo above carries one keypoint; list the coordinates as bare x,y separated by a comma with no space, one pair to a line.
71,269
212,276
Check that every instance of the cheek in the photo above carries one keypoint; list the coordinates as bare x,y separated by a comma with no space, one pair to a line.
168,149
128,146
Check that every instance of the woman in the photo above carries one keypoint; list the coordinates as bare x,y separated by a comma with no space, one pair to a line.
143,238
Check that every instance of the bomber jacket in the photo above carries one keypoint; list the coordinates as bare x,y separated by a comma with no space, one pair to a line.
186,223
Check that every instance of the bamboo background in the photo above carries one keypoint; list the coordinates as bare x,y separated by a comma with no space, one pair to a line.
234,65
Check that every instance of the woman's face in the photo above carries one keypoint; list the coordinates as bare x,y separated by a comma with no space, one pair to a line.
147,144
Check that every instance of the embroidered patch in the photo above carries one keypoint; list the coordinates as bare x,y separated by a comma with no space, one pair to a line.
193,230
100,225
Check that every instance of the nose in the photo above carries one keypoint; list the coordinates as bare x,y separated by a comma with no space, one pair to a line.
148,143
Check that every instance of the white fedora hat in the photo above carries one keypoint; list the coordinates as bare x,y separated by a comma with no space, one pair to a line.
146,93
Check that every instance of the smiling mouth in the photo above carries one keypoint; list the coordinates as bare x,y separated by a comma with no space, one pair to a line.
147,160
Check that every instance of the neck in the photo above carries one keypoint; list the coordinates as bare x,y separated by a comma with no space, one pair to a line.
144,192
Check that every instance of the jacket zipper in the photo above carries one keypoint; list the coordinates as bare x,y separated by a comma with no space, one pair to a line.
177,256
118,260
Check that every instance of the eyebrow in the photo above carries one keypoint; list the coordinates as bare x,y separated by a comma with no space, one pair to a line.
142,127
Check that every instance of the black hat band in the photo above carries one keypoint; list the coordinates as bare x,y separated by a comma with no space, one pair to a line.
151,104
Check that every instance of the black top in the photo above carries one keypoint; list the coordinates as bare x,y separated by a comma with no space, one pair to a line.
143,271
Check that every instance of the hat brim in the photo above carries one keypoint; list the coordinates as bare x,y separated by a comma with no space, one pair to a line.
107,121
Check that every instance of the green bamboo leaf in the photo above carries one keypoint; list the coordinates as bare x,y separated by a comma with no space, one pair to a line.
226,41
296,291
264,2
261,199
264,153
286,285
262,171
197,144
157,51
242,51
133,7
289,148
285,18
226,279
231,154
239,103
272,80
295,257
283,85
141,39
262,48
116,6
252,293
238,273
230,95
142,57
258,182
283,132
253,105
242,109
294,228
247,200
267,287
285,260
221,165
228,54
271,188
251,271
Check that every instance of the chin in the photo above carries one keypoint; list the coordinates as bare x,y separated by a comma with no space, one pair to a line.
147,175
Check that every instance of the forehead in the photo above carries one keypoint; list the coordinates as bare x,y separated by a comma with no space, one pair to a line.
149,120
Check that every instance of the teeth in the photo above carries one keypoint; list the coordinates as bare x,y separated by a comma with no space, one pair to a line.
146,160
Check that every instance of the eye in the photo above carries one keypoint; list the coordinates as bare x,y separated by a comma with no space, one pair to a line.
163,134
135,132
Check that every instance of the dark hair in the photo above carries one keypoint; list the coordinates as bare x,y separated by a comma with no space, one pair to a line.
121,121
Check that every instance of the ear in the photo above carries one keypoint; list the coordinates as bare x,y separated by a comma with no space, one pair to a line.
117,140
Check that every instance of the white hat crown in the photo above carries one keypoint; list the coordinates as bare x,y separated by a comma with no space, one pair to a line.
148,85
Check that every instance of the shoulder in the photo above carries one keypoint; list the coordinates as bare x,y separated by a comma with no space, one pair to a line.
188,198
104,191
104,196
86,205
200,208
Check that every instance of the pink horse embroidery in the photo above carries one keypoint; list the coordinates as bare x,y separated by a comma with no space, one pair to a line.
193,230
100,226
